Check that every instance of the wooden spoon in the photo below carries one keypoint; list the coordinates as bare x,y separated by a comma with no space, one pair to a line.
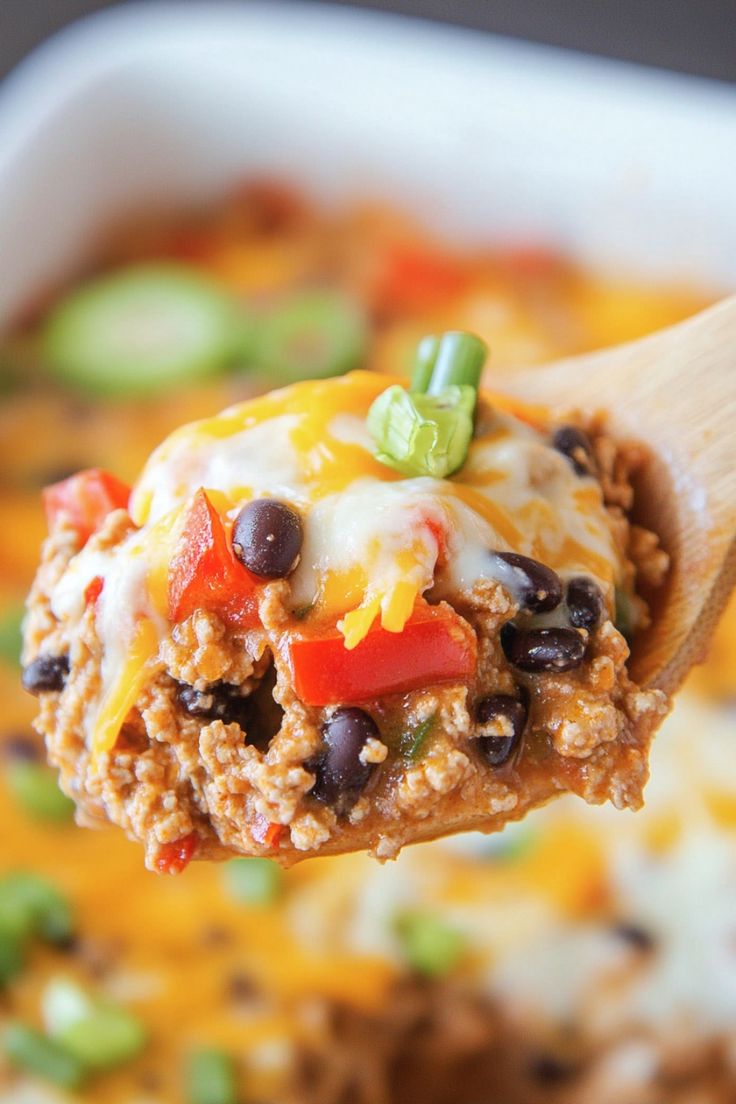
676,392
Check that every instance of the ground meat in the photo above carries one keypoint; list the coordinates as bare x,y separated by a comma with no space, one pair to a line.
172,773
441,772
199,653
651,561
617,462
41,627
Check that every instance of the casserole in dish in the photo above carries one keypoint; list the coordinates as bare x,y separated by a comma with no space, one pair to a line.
565,952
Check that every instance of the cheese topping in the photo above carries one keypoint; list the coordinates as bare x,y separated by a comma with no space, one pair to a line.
373,540
130,613
365,525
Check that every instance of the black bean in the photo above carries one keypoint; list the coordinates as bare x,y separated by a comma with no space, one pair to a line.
341,776
221,701
576,446
500,711
636,936
46,672
538,587
584,603
242,988
542,649
267,538
549,1069
203,703
257,713
21,748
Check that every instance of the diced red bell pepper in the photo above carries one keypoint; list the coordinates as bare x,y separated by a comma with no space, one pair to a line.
176,856
268,832
204,573
436,645
86,499
193,245
531,262
415,279
93,590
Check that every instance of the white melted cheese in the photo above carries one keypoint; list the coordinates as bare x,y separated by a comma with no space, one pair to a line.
68,598
124,600
370,519
370,525
258,460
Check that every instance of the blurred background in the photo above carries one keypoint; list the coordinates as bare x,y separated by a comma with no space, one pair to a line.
553,204
676,34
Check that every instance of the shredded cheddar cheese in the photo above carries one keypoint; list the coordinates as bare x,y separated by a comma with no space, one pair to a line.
355,625
396,607
125,688
308,444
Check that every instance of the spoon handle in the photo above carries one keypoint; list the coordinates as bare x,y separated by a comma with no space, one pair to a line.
676,392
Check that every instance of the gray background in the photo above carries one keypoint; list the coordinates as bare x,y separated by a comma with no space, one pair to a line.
694,36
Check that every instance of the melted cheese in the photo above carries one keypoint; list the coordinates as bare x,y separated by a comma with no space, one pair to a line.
281,443
125,688
309,444
130,616
371,537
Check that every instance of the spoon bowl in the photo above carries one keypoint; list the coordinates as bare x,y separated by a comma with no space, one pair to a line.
675,392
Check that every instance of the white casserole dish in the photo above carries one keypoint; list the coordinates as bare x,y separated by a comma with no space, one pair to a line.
483,138
480,137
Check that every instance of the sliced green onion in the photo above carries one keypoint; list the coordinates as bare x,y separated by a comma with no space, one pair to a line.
99,1034
143,329
36,787
414,741
31,1051
423,434
424,362
12,955
253,881
30,905
458,360
64,1003
109,1037
211,1078
427,430
311,335
430,946
10,634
